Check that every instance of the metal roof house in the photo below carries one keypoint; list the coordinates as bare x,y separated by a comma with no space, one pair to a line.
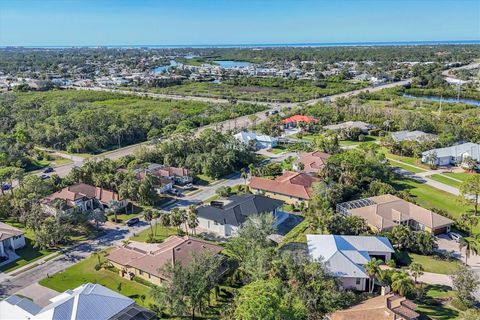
345,256
87,302
259,141
418,136
224,218
454,155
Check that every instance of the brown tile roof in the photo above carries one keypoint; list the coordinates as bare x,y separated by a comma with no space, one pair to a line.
7,231
152,257
174,171
294,184
82,190
313,161
389,208
379,308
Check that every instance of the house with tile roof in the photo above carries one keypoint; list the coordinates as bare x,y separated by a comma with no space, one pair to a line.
386,211
291,187
223,218
145,260
345,256
86,302
82,196
11,239
312,162
385,307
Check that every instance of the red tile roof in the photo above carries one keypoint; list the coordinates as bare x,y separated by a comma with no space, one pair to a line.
293,184
313,161
81,190
299,118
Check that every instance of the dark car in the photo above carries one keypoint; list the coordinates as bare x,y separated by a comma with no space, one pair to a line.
6,186
48,170
133,221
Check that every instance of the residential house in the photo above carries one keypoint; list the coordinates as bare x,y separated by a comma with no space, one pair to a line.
298,120
86,302
291,187
82,196
345,256
417,136
363,126
145,260
312,162
11,239
164,185
386,211
454,155
258,141
178,175
385,307
224,218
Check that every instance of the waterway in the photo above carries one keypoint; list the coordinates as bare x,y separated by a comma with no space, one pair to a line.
160,69
227,64
472,102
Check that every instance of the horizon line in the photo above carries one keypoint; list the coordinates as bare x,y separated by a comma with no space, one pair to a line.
253,45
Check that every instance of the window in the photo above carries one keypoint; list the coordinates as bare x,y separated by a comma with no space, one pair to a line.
357,281
140,272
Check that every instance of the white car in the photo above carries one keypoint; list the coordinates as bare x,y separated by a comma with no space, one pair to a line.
188,186
455,236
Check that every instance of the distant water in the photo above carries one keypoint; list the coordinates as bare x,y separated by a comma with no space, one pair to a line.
472,102
266,45
160,69
232,64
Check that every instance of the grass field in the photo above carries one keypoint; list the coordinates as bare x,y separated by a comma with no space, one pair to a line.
84,272
278,150
459,176
445,180
437,304
161,234
429,263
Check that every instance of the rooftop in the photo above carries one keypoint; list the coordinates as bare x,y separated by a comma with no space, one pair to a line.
313,161
7,231
294,184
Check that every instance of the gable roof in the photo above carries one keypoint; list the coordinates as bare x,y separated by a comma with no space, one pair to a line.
386,209
350,124
386,307
152,257
345,255
293,184
239,208
246,137
81,190
416,135
7,231
313,161
472,149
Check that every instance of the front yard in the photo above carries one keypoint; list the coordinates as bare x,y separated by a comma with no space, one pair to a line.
431,263
160,233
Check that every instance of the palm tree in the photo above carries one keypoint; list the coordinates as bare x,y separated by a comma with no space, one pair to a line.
372,268
470,246
402,283
244,176
148,216
192,218
125,242
97,254
97,216
176,218
155,215
416,270
113,207
165,220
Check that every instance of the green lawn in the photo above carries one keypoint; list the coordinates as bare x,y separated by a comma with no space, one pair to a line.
161,234
433,308
406,167
445,180
459,176
84,272
298,233
28,253
278,150
429,263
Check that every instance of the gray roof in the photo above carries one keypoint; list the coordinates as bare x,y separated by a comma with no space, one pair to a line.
417,135
246,137
238,208
472,149
344,256
350,124
24,304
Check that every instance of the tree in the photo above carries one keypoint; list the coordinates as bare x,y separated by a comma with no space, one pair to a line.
50,233
244,175
416,270
470,314
114,206
148,216
155,215
470,246
189,287
372,268
466,282
468,221
97,216
402,283
176,218
470,191
402,236
424,242
192,218
266,300
165,220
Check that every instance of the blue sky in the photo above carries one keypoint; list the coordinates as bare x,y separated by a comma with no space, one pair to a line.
201,22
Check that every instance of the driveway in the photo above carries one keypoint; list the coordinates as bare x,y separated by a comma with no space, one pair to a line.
445,243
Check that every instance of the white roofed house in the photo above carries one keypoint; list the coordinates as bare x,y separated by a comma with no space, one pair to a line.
345,256
417,136
87,302
11,239
454,155
258,141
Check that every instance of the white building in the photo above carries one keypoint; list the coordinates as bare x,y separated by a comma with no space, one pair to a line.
87,302
11,239
454,155
345,256
259,141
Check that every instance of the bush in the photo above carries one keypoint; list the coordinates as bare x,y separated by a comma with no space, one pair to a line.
98,266
391,263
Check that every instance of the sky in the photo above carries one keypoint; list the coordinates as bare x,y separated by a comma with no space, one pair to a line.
223,22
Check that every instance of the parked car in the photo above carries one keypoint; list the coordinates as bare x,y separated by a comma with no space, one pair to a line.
455,236
188,186
175,192
6,186
48,170
133,221
44,176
